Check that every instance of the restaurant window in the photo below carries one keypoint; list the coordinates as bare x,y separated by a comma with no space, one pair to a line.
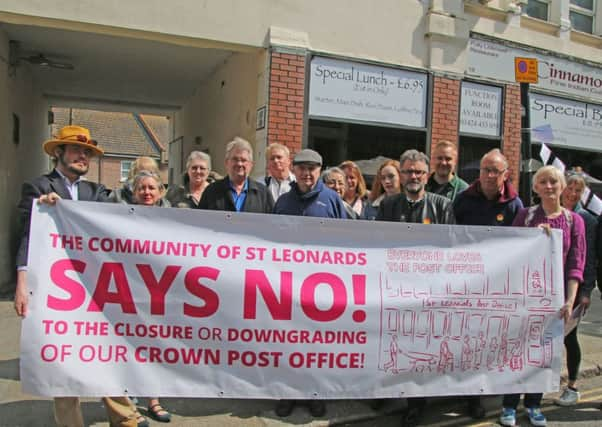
539,9
582,15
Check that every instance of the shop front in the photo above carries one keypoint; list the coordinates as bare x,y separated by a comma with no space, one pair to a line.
359,111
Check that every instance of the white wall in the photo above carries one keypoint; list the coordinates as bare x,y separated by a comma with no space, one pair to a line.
17,162
223,106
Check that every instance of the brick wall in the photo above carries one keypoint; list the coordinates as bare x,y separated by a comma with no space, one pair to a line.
512,125
286,100
446,102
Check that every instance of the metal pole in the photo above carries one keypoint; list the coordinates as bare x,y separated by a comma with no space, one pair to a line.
525,179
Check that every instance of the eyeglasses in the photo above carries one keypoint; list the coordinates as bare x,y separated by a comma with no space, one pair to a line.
411,172
492,171
239,160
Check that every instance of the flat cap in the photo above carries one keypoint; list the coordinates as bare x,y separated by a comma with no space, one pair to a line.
307,156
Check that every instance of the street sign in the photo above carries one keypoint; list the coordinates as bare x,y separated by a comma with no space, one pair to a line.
525,70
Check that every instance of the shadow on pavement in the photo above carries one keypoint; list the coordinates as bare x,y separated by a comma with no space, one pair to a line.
9,370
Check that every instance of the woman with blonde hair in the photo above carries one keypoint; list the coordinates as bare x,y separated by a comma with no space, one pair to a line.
356,194
571,200
548,184
387,182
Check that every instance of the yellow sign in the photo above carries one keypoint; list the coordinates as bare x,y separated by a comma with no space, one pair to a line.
525,70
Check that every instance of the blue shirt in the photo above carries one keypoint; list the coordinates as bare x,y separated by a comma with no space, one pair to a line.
239,199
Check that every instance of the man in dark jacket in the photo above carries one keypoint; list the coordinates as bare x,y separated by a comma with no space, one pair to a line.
236,192
72,148
308,195
415,205
490,200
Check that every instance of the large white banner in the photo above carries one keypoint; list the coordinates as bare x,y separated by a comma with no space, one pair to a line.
355,91
574,124
496,60
177,302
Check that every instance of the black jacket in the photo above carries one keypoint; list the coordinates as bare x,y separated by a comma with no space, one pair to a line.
218,197
432,209
45,184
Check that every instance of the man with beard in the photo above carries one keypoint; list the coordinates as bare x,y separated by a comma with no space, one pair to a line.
443,180
415,205
72,148
279,177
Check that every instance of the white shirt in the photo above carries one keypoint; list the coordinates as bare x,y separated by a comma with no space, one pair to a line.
72,187
278,188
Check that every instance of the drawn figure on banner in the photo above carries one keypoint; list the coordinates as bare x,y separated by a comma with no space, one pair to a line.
466,354
502,356
479,347
446,357
393,351
492,355
516,356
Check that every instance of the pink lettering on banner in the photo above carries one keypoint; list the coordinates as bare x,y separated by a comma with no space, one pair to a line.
308,297
208,295
59,277
51,352
280,309
158,289
112,272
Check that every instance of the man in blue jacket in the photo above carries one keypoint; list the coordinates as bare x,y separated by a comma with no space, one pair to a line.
308,195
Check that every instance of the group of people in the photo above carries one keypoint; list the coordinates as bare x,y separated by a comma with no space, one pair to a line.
408,190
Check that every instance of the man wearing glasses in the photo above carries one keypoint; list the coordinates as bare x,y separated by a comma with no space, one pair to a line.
414,203
236,192
491,199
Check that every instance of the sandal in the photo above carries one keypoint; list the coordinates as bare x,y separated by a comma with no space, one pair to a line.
157,412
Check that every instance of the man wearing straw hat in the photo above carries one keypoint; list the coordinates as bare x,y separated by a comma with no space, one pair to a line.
72,150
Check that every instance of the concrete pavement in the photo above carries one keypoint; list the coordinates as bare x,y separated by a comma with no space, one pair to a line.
18,409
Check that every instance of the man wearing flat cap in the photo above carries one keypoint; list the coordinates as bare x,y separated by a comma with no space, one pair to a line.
308,195
71,150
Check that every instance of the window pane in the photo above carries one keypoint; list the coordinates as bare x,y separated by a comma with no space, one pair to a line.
581,22
586,4
537,9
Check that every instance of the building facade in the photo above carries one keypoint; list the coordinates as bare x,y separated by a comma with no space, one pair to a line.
350,79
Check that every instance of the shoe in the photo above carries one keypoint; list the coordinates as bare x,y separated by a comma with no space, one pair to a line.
508,417
411,417
536,417
569,397
476,410
284,408
141,421
317,408
156,412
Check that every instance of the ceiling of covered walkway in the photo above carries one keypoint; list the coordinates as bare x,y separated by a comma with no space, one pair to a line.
137,73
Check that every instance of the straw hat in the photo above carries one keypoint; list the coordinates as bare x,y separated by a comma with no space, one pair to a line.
72,135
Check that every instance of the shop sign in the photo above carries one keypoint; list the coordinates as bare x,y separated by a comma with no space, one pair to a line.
574,124
361,92
495,60
480,109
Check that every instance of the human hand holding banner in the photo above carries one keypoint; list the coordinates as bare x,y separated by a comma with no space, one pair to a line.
177,302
